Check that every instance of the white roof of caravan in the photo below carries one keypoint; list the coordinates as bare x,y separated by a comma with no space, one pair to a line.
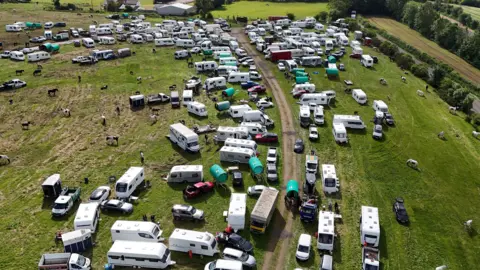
134,247
326,223
221,79
237,150
359,92
380,103
240,141
187,168
86,211
339,128
370,220
51,180
329,170
346,117
128,225
366,56
227,264
136,97
238,204
188,235
130,174
183,129
197,104
232,129
68,236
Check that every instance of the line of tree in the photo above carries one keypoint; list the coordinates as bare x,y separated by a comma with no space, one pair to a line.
204,7
472,3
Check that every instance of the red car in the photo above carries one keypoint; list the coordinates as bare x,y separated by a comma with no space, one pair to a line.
193,191
266,137
299,93
257,89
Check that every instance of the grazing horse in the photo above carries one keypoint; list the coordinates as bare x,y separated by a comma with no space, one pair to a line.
404,79
139,79
110,139
131,72
154,51
117,109
105,87
37,72
476,134
19,72
6,158
155,110
26,124
453,110
412,163
52,92
383,81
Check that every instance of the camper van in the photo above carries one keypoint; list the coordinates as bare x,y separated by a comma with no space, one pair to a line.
256,116
318,115
369,227
326,231
304,116
236,154
184,137
13,28
339,133
88,42
349,121
236,211
185,43
254,128
309,87
185,174
137,39
139,255
197,108
224,133
38,56
205,66
16,55
106,40
237,111
359,96
366,61
225,70
187,97
330,182
238,77
130,180
317,98
164,42
215,83
87,217
202,243
379,105
241,143
181,54
139,231
233,45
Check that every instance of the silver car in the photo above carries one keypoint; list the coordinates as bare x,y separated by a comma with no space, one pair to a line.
238,255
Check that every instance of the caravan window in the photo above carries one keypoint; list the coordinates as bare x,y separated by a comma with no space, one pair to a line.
121,187
192,144
114,257
204,247
195,175
330,182
354,123
139,259
141,174
325,238
129,187
144,235
173,175
165,256
192,245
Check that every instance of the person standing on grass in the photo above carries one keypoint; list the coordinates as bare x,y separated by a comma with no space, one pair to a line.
79,79
142,157
426,87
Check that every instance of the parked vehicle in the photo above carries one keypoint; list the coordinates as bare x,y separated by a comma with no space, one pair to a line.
13,84
117,206
197,108
349,121
330,181
237,178
202,243
184,137
235,241
195,190
238,77
303,247
272,155
359,96
61,36
52,186
313,133
256,116
185,174
236,154
389,119
65,202
248,84
215,82
253,129
100,194
263,211
326,231
5,54
299,146
17,55
139,231
157,98
370,258
130,180
223,265
327,263
87,217
88,42
304,116
77,241
377,133
339,133
266,137
175,99
239,255
400,211
236,211
317,98
223,133
139,255
379,105
366,60
188,212
39,39
38,56
272,172
257,89
68,261
318,115
369,227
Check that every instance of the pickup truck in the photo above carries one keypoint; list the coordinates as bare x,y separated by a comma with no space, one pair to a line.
371,258
12,84
67,261
158,98
65,201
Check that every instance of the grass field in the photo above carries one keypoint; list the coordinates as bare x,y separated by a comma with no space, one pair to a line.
254,10
96,4
474,11
414,38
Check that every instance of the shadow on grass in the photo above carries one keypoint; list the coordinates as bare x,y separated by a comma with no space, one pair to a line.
275,228
383,243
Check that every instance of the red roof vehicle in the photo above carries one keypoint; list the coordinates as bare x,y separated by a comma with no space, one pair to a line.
193,191
266,137
257,89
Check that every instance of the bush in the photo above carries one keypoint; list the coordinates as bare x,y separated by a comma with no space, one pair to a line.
376,42
209,16
420,71
291,16
476,119
388,48
404,60
128,9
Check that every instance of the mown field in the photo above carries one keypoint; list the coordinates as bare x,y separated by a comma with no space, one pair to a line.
439,197
414,38
474,11
254,10
75,147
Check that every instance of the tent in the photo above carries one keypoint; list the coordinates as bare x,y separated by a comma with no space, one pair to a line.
218,173
255,165
33,25
125,15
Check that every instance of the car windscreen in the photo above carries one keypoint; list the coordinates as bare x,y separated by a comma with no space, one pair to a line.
303,248
325,238
121,187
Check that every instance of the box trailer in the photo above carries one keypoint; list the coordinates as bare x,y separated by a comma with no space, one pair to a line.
263,211
280,55
77,241
67,261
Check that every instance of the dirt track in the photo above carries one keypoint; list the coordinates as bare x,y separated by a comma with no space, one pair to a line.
282,224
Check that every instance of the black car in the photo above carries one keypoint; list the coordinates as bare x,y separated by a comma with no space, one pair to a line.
235,241
299,146
389,119
237,179
400,211
60,24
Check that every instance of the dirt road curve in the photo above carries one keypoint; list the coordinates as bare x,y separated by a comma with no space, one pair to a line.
282,224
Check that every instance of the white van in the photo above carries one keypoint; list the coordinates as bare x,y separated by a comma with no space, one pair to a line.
164,42
233,45
187,97
223,133
185,43
197,108
137,39
317,98
326,231
139,255
237,111
238,77
252,36
379,105
16,55
236,154
215,83
38,56
369,226
318,115
104,31
106,40
257,116
236,211
222,264
254,128
225,70
92,29
349,121
130,180
330,181
13,28
87,217
140,231
366,61
309,87
185,174
359,96
88,42
205,66
202,243
241,143
339,133
319,27
328,44
181,54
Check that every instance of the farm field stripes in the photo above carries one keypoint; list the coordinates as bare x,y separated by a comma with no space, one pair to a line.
473,11
429,47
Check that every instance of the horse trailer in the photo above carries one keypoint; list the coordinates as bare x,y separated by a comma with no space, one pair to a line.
197,108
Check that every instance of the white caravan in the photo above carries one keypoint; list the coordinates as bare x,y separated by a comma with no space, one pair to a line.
179,35
330,181
304,116
139,255
319,27
233,45
130,180
359,96
237,111
257,116
224,60
241,143
225,70
317,98
328,44
366,61
379,105
221,49
185,174
139,231
184,137
230,132
215,83
236,154
185,43
309,87
339,133
349,121
137,39
106,40
104,31
326,231
197,108
88,42
238,77
87,217
187,97
369,226
16,55
13,28
311,61
202,243
236,211
254,128
205,66
318,115
38,56
164,42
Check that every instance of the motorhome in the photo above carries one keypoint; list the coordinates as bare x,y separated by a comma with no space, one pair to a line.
164,42
339,133
16,55
139,255
237,111
202,243
257,116
366,60
263,211
225,70
230,132
236,211
318,115
311,61
137,39
254,128
187,97
359,96
317,98
349,121
238,77
38,56
241,143
197,108
304,116
185,174
380,105
88,42
309,87
87,217
205,66
326,231
369,227
290,65
13,28
330,181
184,137
185,43
236,154
130,180
328,44
140,231
106,40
